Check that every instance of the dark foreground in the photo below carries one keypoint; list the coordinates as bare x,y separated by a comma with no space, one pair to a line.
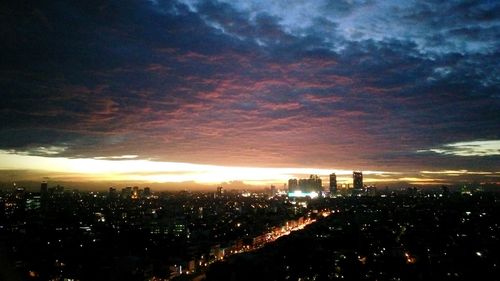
391,238
408,235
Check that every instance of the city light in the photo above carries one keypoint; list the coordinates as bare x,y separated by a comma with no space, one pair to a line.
223,140
301,194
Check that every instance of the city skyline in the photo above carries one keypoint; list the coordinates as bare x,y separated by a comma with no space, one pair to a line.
194,93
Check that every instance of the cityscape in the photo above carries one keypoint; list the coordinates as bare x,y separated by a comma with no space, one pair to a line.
305,231
233,140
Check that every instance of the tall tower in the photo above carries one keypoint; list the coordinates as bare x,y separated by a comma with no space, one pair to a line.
333,183
315,183
292,185
43,187
357,180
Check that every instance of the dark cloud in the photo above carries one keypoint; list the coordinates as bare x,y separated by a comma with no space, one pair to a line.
336,85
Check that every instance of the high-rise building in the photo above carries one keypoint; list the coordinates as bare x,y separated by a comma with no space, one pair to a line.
315,184
273,190
308,187
357,180
43,187
135,193
293,185
126,192
333,183
311,184
220,191
303,185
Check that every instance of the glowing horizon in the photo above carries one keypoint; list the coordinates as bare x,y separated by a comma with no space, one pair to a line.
255,91
128,168
132,168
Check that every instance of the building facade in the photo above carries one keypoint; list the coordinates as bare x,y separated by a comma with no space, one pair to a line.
333,183
357,180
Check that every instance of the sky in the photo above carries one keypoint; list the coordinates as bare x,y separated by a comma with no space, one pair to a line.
203,92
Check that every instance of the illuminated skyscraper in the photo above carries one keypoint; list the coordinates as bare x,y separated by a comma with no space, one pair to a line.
135,192
311,187
333,183
357,180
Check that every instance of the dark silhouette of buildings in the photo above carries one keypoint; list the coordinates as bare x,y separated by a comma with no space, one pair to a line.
113,193
333,183
293,185
273,190
357,180
43,187
401,236
309,185
220,191
185,235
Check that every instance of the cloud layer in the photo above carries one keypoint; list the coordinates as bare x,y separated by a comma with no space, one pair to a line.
342,84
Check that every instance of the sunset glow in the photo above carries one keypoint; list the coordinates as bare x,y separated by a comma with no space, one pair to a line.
156,171
253,91
182,139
